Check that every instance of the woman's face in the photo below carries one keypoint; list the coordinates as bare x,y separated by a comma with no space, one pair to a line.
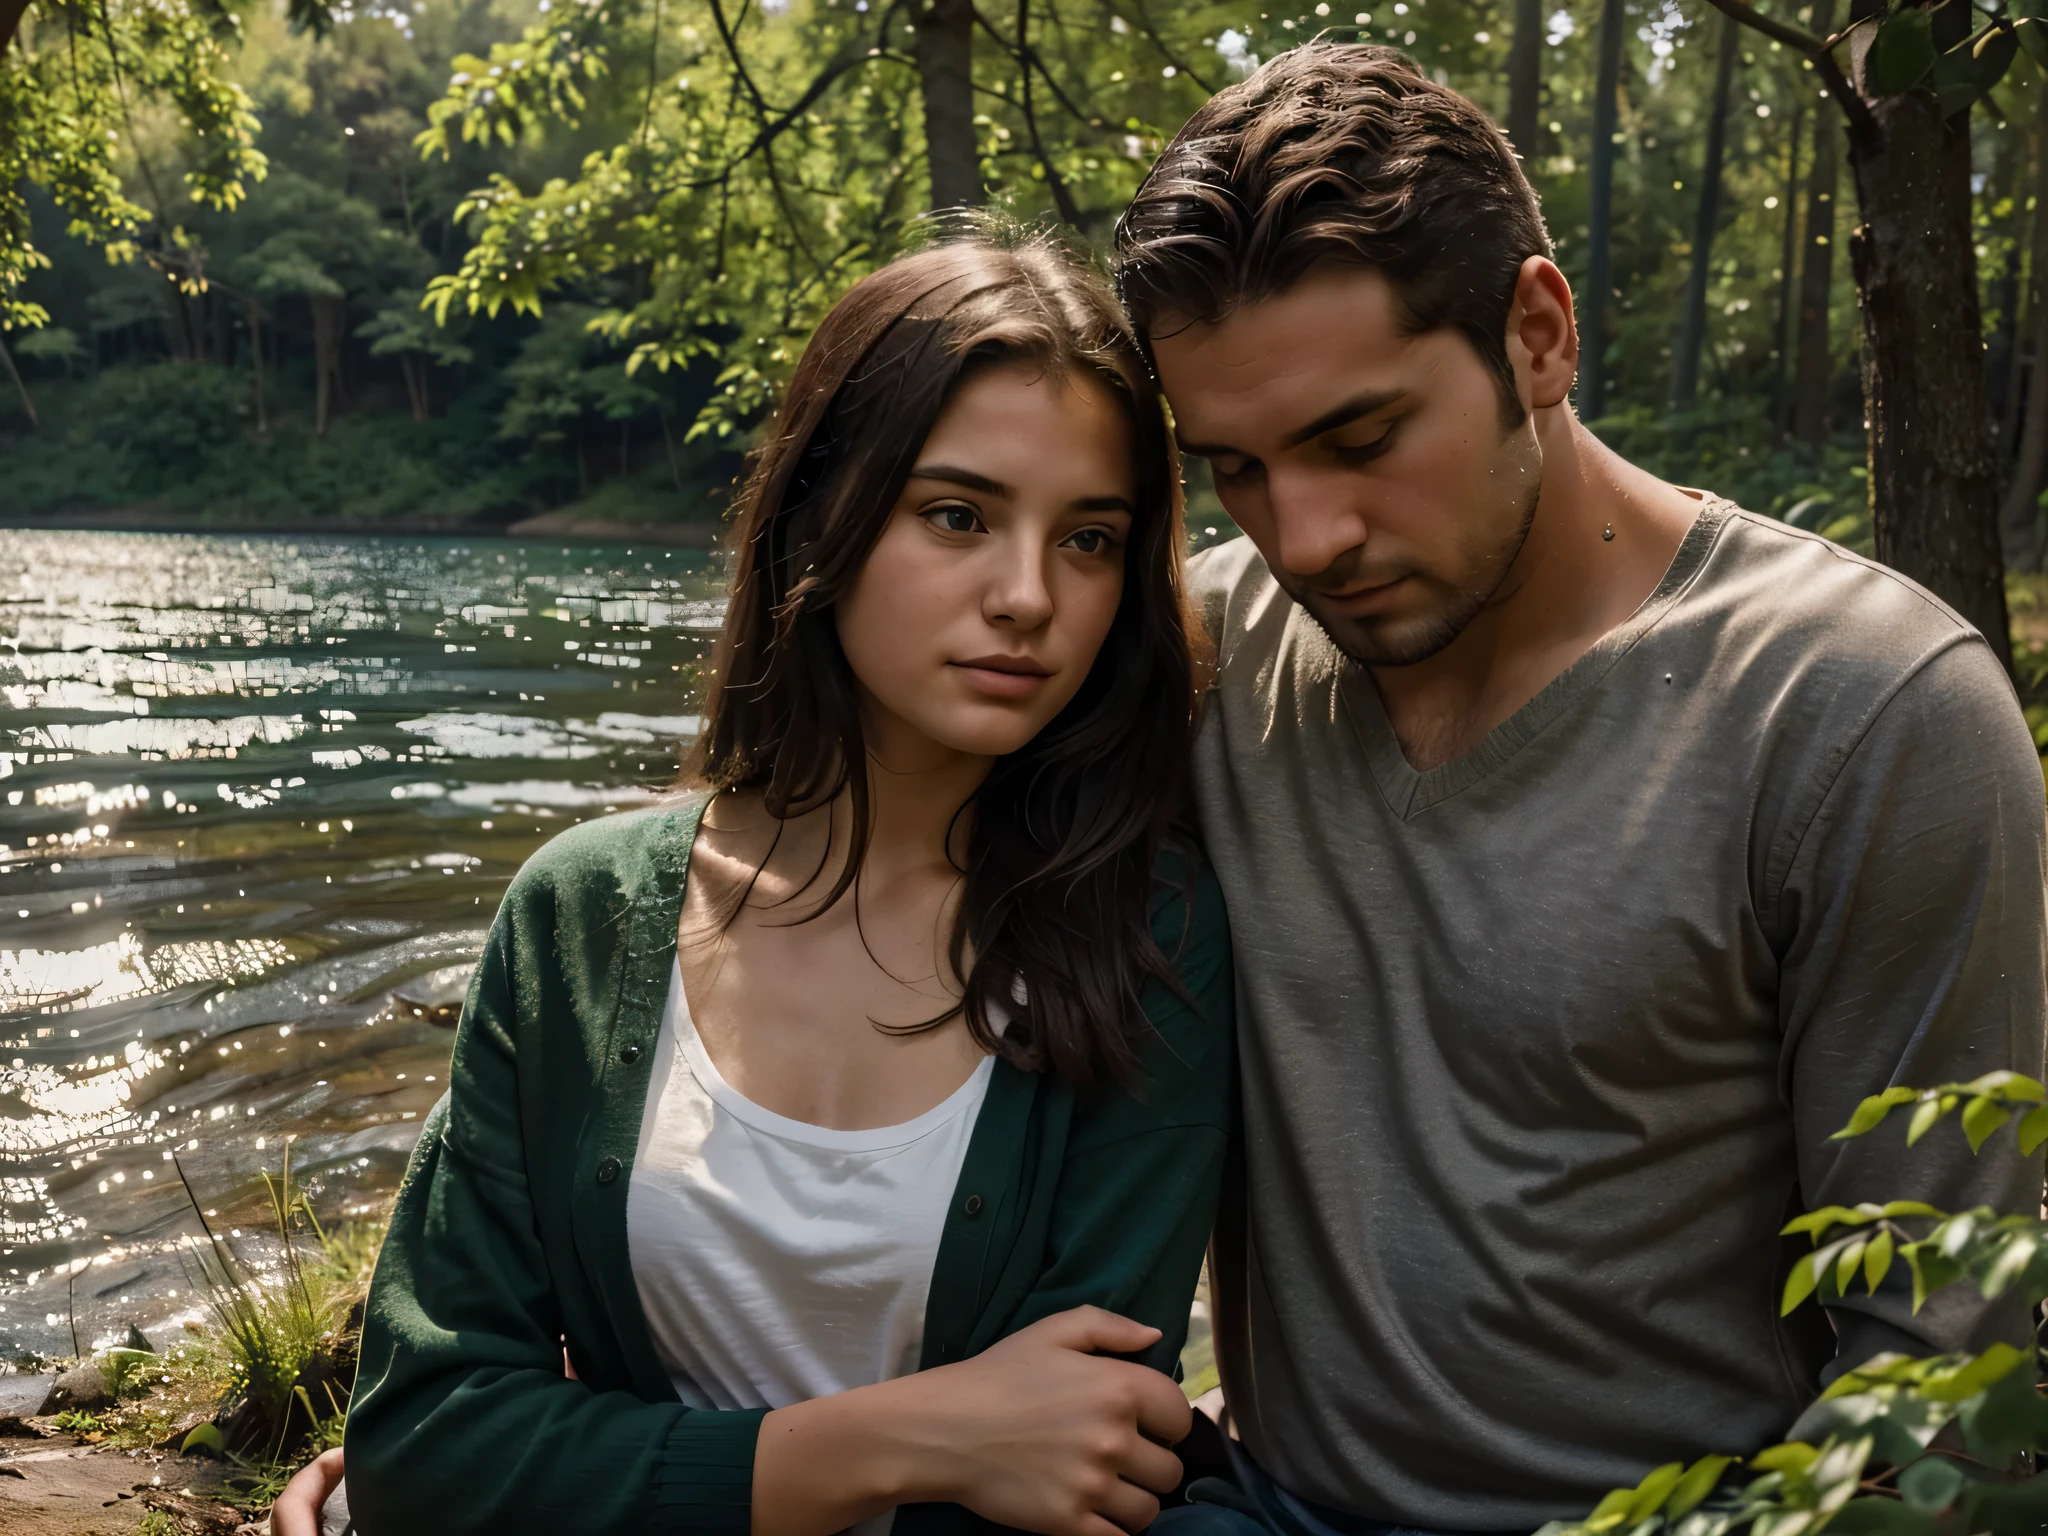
995,580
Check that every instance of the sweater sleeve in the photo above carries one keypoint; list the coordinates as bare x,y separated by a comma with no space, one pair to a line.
1138,1187
1918,935
463,1420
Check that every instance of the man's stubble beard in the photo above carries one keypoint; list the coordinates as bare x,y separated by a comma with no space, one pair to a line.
1427,636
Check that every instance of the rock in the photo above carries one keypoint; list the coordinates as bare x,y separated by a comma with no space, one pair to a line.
21,1396
82,1389
138,1340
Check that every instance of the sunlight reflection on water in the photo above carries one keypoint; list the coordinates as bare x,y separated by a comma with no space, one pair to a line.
258,800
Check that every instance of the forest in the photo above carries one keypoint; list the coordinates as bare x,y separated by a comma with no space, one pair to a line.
437,262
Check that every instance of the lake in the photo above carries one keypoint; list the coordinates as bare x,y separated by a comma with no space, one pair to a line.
258,800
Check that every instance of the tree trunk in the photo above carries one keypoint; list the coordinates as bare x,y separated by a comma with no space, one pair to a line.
945,71
1817,274
1525,77
1600,216
2020,519
7,362
1692,325
255,315
12,12
414,372
1788,280
328,315
2029,290
1933,472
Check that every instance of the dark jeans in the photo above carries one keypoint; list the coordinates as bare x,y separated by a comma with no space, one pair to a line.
1249,1503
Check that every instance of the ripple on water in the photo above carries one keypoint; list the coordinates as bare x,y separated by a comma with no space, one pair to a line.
261,797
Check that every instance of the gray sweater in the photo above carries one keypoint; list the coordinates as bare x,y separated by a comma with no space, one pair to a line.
1541,1047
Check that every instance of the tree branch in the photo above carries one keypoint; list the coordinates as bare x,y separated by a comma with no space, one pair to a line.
1820,50
1028,58
1061,197
1152,32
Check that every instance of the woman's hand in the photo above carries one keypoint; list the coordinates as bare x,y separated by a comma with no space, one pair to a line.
297,1510
1040,1432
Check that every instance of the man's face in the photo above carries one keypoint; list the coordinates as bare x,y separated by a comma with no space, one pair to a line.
1371,469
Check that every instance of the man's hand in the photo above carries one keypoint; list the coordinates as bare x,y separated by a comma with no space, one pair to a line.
297,1510
1040,1432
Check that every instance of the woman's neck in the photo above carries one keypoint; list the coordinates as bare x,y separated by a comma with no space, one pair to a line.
916,789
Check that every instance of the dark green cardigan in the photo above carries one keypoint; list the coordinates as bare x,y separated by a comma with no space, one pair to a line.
509,1234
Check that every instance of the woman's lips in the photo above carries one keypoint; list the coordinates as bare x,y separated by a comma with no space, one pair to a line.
1004,677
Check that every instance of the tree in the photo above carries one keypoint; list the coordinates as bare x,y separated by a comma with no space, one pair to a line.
768,158
1917,70
72,80
1815,378
1525,77
1692,330
1600,215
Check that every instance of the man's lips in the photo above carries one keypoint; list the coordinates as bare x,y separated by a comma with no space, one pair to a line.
1363,597
1004,677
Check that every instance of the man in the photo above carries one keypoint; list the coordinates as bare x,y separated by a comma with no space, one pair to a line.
1591,848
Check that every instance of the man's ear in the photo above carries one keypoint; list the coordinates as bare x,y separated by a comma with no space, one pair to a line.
1543,335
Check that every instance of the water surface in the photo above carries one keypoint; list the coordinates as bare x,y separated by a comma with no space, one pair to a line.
258,800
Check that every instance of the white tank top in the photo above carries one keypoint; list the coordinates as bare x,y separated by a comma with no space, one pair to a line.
779,1261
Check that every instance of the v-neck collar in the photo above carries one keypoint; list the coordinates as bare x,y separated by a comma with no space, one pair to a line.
1410,791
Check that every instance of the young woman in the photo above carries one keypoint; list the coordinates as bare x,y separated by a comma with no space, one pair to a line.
847,1120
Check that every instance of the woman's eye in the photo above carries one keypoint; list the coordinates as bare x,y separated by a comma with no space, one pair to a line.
1089,541
1229,466
953,517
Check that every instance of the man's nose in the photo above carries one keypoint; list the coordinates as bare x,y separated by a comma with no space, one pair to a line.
1316,520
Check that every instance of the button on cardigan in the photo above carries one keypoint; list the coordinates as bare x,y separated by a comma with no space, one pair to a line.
509,1232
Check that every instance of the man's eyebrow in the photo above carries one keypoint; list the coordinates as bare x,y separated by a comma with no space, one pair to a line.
1349,411
953,475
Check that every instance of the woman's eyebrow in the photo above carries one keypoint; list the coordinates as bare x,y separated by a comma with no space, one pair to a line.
1106,504
954,475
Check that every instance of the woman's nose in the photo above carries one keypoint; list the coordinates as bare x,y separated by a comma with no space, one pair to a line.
1019,592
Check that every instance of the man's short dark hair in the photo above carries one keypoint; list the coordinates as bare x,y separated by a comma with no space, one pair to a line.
1336,152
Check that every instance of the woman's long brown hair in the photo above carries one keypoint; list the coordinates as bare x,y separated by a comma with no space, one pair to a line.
1059,879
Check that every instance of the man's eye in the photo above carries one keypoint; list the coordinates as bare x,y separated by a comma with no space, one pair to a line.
1371,448
953,517
1089,541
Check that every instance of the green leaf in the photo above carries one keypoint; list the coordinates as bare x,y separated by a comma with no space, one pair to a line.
1965,1381
1969,70
2014,1255
1827,1216
1700,1479
2033,35
1871,1112
2013,1086
204,1437
2009,1418
1931,1111
1800,1283
1877,1261
2034,1129
1846,1266
1898,1208
1793,1456
1902,52
1931,1483
1611,1510
1650,1492
1982,1118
